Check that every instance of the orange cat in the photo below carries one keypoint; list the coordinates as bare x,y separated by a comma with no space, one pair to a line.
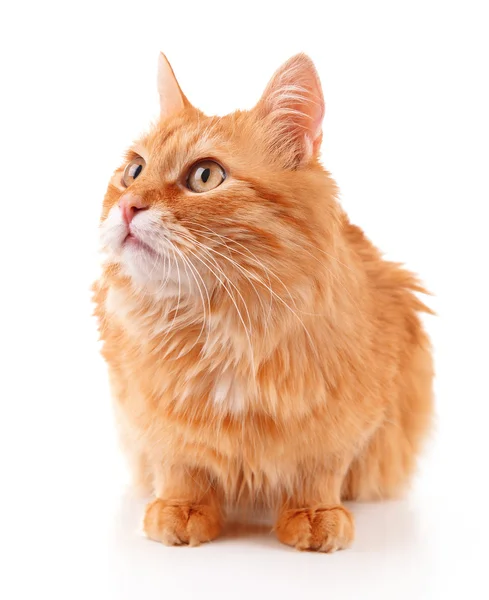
260,350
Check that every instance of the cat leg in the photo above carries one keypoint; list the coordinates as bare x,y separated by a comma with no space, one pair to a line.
384,467
187,509
136,459
315,519
140,474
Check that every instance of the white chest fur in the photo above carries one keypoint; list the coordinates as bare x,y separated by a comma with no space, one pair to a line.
228,393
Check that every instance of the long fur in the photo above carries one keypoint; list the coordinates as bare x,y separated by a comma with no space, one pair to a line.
264,354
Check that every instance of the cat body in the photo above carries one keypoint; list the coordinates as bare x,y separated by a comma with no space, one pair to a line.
260,350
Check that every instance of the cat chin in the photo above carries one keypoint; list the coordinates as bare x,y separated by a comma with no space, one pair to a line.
156,274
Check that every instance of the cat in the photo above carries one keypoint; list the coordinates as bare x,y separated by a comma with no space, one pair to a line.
261,352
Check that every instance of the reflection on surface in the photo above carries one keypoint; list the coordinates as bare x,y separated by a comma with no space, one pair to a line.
389,557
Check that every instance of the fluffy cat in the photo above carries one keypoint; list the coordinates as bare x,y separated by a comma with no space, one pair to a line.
260,350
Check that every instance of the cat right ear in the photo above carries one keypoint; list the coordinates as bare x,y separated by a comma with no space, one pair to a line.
172,99
293,106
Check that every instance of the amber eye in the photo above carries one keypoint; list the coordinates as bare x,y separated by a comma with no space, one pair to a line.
133,170
204,176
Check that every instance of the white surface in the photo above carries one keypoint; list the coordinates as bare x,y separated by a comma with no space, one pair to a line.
406,137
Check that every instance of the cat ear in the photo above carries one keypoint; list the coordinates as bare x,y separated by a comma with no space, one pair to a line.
294,105
172,99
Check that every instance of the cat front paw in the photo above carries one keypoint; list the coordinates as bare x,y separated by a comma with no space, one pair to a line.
178,523
322,528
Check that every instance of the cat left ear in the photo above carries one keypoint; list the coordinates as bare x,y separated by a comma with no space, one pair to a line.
172,99
293,103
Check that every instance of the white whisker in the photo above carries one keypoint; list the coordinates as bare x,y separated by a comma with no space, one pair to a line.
233,300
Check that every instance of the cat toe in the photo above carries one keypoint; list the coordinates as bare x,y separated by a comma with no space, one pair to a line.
322,528
175,524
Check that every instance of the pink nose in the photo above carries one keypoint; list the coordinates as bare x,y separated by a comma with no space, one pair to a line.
131,204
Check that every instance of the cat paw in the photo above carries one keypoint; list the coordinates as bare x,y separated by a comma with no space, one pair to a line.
323,528
174,523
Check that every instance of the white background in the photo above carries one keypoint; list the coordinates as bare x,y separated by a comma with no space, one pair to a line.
406,136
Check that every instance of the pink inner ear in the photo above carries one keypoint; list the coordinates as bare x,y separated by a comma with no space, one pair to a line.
294,100
317,110
172,99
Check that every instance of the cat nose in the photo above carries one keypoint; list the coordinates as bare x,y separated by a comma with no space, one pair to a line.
130,204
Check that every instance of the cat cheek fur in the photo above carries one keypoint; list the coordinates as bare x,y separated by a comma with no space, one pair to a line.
266,356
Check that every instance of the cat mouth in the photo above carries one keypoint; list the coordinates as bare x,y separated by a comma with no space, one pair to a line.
135,243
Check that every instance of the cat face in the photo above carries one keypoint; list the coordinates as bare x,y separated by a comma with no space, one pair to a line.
202,201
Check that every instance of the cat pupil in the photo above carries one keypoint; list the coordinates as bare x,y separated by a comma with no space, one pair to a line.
205,175
138,170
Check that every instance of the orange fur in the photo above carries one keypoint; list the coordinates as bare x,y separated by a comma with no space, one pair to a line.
271,357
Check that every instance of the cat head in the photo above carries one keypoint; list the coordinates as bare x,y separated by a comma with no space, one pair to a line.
205,202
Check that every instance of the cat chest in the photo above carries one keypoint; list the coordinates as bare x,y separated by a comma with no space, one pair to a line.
228,393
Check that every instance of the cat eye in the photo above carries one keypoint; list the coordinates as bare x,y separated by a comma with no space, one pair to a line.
205,176
133,170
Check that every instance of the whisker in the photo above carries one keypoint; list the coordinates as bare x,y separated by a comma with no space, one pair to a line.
192,268
179,286
258,279
280,280
258,262
233,300
230,250
290,309
207,249
311,341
